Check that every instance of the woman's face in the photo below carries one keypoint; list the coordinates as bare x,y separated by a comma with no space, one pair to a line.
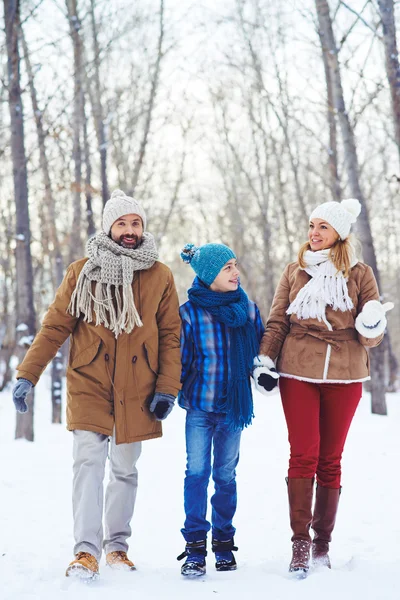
321,235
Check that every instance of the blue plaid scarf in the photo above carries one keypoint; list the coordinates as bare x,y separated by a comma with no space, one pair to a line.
232,309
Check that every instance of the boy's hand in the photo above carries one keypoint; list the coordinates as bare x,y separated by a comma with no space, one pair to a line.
20,392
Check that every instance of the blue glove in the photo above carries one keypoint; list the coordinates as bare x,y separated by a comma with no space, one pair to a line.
20,392
161,405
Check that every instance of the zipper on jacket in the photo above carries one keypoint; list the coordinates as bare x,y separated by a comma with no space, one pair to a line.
328,350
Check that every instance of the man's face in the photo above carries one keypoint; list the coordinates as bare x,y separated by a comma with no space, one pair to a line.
127,231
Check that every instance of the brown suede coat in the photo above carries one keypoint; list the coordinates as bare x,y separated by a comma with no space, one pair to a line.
110,381
305,348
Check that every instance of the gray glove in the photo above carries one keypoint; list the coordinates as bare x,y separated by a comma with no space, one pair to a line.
161,405
20,391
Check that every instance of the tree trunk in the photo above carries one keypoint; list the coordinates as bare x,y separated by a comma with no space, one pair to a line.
49,203
76,246
386,10
91,229
26,320
153,93
98,113
328,43
333,155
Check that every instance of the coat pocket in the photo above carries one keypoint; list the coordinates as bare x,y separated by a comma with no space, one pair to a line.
151,357
86,356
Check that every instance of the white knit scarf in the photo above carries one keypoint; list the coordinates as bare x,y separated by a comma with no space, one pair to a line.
327,287
112,267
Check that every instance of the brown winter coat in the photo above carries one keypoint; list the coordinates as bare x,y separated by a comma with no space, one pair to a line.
109,380
301,345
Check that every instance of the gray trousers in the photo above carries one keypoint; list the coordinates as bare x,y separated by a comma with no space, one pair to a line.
90,451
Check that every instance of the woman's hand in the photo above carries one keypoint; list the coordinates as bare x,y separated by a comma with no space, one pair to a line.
371,322
264,374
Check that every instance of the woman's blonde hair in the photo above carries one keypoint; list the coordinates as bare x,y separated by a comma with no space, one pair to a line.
341,254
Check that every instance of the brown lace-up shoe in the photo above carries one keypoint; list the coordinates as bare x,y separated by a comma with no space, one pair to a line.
119,560
84,566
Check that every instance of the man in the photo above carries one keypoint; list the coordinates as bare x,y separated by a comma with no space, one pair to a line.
120,307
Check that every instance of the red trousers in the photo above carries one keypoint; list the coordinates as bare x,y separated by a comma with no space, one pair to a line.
318,417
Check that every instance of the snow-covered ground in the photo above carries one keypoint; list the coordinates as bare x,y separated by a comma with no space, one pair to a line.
36,521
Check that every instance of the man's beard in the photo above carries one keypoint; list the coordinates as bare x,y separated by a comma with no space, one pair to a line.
136,238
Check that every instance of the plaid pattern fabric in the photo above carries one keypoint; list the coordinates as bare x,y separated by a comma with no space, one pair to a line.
205,356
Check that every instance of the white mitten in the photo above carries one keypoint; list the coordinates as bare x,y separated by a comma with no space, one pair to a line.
371,322
265,375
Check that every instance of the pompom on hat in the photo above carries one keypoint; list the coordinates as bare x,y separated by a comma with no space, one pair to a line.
207,260
340,215
119,205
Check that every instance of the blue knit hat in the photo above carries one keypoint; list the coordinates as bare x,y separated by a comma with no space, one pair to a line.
207,260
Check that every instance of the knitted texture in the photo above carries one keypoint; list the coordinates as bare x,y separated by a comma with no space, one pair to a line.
119,205
327,286
340,215
207,260
112,268
232,309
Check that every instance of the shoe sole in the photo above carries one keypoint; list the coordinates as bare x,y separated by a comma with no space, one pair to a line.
121,567
299,573
222,568
80,572
192,572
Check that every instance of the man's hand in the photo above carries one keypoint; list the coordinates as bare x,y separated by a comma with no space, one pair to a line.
20,392
161,405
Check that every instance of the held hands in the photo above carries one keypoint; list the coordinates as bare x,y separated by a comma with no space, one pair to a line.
20,391
264,374
371,322
161,405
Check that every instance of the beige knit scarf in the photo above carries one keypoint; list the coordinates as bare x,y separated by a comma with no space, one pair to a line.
112,268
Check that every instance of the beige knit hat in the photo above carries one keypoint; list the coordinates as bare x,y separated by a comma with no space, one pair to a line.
341,215
119,205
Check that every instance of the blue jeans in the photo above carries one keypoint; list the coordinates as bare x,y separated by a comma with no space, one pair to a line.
204,429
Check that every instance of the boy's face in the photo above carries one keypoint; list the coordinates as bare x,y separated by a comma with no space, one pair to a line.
127,231
227,279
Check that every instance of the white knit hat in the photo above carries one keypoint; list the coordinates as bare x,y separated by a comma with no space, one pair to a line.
340,215
119,205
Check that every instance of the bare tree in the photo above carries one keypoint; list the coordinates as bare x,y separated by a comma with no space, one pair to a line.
151,101
76,247
98,112
26,319
330,50
386,10
49,205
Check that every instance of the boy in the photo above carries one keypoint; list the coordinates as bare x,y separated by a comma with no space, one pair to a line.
221,329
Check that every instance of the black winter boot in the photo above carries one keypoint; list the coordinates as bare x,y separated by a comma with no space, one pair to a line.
224,559
195,564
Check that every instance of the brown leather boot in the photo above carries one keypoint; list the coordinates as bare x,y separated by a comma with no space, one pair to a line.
118,559
325,509
300,493
84,566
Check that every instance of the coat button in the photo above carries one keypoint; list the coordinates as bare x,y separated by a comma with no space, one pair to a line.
106,357
134,359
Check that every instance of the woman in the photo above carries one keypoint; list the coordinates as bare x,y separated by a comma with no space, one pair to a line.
325,312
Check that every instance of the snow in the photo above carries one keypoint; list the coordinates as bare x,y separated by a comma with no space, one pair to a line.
36,521
26,340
